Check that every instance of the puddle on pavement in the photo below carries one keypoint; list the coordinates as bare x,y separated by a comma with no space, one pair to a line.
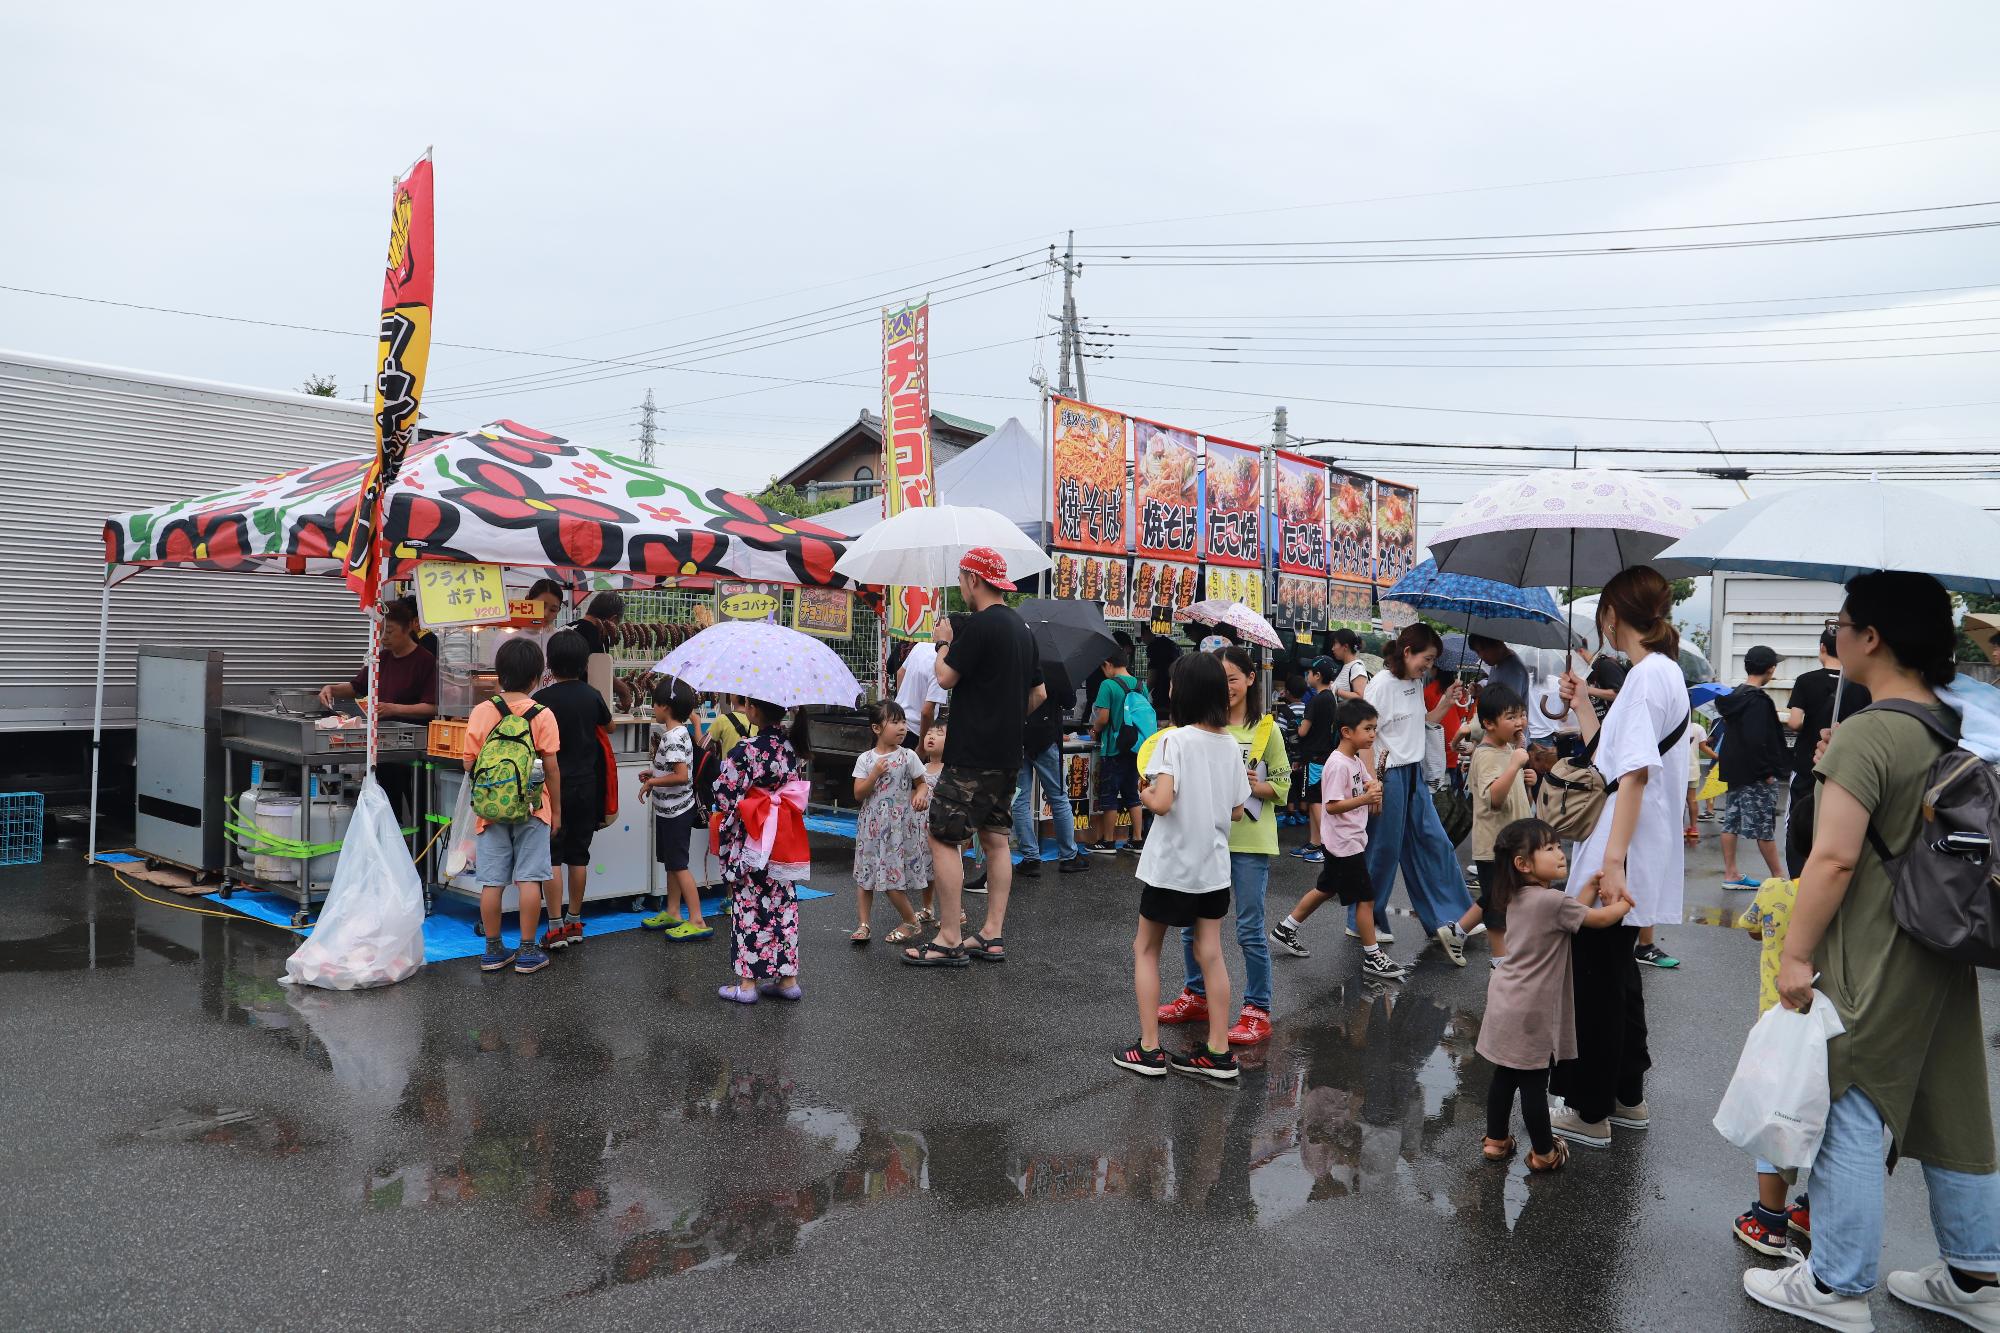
1713,916
264,1132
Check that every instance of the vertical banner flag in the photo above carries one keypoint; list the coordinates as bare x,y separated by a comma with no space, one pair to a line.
1350,547
907,481
1169,492
1233,491
1395,531
1089,472
400,360
1301,518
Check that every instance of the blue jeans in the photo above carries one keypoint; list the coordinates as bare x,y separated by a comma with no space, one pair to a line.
1048,766
1407,835
1249,876
1847,1207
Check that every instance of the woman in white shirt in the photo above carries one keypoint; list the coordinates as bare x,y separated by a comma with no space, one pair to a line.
1641,747
1406,835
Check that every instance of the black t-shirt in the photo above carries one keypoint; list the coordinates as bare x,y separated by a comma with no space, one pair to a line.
1813,693
579,711
592,635
1317,745
1605,674
997,665
1045,724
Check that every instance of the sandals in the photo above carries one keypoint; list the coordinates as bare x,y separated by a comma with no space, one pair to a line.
990,951
1497,1150
1555,1161
904,933
862,934
933,954
926,918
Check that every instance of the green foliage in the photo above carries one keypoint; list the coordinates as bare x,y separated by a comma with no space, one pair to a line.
1683,589
789,501
1974,604
320,386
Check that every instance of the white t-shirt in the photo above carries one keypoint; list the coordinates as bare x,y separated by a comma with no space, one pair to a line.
1697,737
919,674
1344,680
671,746
1650,704
1399,726
1187,849
1541,727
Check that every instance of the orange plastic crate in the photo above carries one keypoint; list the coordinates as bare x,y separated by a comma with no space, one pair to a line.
447,739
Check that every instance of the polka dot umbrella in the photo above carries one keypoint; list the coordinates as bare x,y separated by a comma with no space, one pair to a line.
760,660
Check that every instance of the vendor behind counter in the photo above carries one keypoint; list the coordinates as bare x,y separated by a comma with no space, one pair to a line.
406,683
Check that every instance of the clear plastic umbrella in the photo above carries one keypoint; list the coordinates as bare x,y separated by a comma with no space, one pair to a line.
921,548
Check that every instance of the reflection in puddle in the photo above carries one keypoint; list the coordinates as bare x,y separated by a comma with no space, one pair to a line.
229,1126
1713,916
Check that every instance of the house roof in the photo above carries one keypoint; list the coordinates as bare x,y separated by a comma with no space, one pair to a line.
867,429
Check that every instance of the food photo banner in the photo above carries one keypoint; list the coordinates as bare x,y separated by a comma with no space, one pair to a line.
1350,606
1350,547
1233,504
1092,578
1301,602
1237,585
1168,485
1089,467
1395,531
1164,589
1300,495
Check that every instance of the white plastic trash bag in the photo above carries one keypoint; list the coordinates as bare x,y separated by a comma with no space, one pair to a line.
1776,1104
371,931
458,846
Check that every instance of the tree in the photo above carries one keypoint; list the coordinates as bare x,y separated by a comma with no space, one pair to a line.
320,386
787,500
1683,589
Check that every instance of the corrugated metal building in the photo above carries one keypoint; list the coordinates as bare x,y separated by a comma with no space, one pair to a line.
79,442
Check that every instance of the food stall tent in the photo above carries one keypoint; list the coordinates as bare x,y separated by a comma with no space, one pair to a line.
505,494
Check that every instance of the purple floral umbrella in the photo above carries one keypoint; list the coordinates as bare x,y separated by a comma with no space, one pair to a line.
1239,618
760,660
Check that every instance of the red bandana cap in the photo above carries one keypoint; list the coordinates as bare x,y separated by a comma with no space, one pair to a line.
983,562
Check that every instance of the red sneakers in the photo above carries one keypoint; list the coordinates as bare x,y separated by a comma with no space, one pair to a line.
1799,1220
1252,1026
1187,1007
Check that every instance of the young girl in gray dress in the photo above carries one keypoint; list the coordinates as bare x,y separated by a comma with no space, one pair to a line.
1530,1010
892,849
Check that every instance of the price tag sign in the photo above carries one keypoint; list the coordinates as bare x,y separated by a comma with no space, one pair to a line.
449,593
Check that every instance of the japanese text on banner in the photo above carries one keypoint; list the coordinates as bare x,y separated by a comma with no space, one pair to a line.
907,478
1089,468
450,593
1233,494
1168,484
1300,495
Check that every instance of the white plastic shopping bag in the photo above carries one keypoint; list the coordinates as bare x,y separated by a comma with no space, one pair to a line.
1776,1104
458,847
371,931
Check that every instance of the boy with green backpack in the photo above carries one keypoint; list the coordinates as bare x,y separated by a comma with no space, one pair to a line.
511,744
1122,717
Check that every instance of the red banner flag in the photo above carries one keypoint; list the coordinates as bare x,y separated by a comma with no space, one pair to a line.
907,480
400,361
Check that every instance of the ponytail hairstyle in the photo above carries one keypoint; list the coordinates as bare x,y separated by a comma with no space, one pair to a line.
1643,601
771,718
1912,615
1416,639
1253,705
1522,838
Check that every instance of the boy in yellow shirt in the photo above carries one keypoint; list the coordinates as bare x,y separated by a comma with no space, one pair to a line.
1767,1226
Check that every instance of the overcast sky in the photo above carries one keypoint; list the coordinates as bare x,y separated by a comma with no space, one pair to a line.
616,180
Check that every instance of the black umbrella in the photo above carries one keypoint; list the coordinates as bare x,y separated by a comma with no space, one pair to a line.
1072,633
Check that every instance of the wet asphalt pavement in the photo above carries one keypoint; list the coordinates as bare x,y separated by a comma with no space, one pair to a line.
607,1144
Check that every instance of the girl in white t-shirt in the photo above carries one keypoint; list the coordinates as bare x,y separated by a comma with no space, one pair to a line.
1195,785
1407,836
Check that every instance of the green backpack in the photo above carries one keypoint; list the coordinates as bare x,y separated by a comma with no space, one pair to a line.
505,789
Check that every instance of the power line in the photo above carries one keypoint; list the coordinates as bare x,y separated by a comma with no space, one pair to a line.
1097,335
1549,365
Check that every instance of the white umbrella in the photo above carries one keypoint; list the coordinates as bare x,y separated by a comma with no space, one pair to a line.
1239,618
1841,529
1560,528
921,548
759,660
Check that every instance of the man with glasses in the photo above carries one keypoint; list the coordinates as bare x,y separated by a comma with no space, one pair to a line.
1811,713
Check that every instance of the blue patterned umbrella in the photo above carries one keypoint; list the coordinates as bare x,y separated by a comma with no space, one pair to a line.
1527,616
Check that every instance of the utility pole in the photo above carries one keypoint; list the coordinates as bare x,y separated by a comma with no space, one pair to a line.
646,435
1072,341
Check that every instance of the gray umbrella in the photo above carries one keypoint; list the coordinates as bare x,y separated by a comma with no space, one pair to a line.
1070,632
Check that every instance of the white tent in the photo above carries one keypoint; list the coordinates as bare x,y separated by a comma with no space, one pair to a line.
1006,472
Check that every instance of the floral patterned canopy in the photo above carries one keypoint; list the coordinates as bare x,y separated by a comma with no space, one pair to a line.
504,494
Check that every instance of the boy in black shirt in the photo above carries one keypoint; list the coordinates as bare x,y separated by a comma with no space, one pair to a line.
579,712
1318,734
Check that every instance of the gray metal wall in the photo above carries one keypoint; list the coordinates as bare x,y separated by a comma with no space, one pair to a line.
79,443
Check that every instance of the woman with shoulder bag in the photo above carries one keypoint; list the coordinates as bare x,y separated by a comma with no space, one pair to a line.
1637,844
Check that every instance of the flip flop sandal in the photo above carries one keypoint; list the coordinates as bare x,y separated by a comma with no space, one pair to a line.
859,939
987,951
1555,1161
903,934
1497,1150
934,954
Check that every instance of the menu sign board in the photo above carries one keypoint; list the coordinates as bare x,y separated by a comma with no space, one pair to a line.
826,612
1237,585
1350,547
1089,466
1395,531
1168,485
1350,606
1092,578
1233,503
1300,495
1163,589
1301,602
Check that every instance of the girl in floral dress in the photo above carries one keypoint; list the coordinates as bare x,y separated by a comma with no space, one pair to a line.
764,917
892,850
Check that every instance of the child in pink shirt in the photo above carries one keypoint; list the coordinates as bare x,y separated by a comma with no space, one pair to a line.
1348,792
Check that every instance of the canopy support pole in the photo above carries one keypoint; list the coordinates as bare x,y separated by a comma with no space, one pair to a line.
97,715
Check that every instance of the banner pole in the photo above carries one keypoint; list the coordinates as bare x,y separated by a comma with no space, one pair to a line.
374,671
97,715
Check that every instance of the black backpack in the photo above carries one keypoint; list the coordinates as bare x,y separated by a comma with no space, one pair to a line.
1945,887
708,764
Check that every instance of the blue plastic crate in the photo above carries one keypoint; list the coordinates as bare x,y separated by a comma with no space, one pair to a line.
20,828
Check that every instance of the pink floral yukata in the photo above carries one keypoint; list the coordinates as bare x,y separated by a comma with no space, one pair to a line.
764,916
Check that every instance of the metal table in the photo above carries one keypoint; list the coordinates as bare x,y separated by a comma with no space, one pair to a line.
291,739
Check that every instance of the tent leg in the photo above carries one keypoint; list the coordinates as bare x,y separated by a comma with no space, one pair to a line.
97,715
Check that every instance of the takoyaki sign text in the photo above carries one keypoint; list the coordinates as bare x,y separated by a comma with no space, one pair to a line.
1233,486
1301,515
1089,466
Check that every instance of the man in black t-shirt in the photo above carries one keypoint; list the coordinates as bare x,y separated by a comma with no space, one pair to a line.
1318,734
988,660
579,711
1042,755
1811,713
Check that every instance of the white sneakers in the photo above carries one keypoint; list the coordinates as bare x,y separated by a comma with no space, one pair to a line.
1630,1117
1792,1291
1567,1124
1452,942
1932,1289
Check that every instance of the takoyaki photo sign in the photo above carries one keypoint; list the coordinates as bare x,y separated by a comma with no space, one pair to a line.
1233,505
1300,496
1164,589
